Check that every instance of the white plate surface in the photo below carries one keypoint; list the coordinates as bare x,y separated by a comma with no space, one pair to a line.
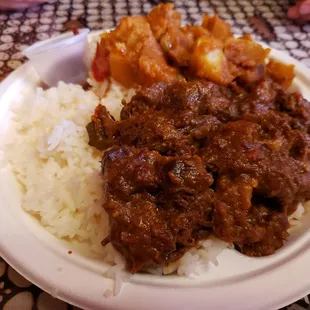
239,282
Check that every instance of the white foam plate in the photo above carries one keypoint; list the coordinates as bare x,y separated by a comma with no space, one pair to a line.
239,282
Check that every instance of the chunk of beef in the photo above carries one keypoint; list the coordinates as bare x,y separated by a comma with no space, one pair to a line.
261,98
269,151
165,118
158,206
100,129
257,229
298,108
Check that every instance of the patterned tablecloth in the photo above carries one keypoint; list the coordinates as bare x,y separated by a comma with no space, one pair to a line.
19,29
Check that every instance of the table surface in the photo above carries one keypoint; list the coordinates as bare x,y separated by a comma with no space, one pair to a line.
19,29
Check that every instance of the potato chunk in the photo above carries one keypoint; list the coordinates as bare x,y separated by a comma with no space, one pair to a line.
162,17
209,61
176,42
245,52
133,55
281,73
217,27
248,56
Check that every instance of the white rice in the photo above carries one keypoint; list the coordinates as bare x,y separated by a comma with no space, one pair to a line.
60,175
196,261
295,217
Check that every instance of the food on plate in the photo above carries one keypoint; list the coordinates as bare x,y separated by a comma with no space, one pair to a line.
158,206
283,74
131,54
188,159
210,152
157,48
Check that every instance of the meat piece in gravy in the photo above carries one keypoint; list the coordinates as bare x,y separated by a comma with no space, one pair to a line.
257,229
257,171
159,206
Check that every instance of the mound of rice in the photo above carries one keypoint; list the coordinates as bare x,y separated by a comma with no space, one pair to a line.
49,154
